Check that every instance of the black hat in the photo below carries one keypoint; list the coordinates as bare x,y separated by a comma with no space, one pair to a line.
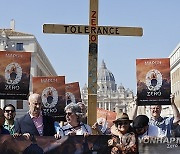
122,117
140,121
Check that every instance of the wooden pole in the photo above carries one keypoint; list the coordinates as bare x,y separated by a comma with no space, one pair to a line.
92,64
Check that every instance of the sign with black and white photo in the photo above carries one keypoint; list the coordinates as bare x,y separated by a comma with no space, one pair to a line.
14,74
72,93
52,91
153,81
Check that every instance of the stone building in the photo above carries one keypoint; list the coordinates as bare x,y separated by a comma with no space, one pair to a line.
109,96
175,81
175,74
11,40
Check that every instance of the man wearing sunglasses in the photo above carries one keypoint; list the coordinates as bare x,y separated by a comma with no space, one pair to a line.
9,114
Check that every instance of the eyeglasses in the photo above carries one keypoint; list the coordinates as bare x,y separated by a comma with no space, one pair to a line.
69,113
7,111
123,123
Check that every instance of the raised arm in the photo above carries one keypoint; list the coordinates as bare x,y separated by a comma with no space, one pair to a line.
133,115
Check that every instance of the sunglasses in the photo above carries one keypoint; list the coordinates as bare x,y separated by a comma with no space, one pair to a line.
69,113
7,111
123,123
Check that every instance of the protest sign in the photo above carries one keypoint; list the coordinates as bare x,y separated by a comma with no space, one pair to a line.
14,74
153,81
72,93
52,91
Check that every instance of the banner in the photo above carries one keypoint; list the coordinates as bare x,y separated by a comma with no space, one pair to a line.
81,145
52,91
14,74
73,92
153,81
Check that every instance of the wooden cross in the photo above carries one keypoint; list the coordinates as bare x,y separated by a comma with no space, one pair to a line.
93,30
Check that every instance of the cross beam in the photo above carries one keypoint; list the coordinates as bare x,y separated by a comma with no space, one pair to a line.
93,30
96,30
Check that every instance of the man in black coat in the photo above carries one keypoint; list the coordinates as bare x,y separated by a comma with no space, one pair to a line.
34,123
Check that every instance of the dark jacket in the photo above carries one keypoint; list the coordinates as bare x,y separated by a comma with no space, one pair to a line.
4,131
26,125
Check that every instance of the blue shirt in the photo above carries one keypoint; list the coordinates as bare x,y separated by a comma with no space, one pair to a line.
164,123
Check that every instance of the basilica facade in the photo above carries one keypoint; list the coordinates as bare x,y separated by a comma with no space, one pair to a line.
110,96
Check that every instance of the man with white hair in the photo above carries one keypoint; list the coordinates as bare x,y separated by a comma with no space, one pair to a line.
34,122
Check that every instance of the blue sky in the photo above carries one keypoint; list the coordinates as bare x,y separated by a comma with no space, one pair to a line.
69,53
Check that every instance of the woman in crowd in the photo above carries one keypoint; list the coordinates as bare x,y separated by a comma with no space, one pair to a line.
123,139
74,124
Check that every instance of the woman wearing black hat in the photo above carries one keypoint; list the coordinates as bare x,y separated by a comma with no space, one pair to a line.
123,140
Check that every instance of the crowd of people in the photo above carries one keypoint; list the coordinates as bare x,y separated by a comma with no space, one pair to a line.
124,133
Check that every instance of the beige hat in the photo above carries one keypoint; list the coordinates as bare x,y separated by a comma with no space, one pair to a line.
122,117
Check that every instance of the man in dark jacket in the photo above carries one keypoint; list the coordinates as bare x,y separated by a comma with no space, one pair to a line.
34,123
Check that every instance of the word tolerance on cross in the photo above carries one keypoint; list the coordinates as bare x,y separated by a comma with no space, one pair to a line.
95,30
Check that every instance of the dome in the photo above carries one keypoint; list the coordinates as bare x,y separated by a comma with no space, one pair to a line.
104,74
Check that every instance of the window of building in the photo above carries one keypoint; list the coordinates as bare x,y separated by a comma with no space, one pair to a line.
19,46
39,72
19,104
120,110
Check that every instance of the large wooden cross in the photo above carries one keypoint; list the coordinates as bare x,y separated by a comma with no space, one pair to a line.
93,30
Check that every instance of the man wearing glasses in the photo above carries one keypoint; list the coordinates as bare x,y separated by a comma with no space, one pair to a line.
9,114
